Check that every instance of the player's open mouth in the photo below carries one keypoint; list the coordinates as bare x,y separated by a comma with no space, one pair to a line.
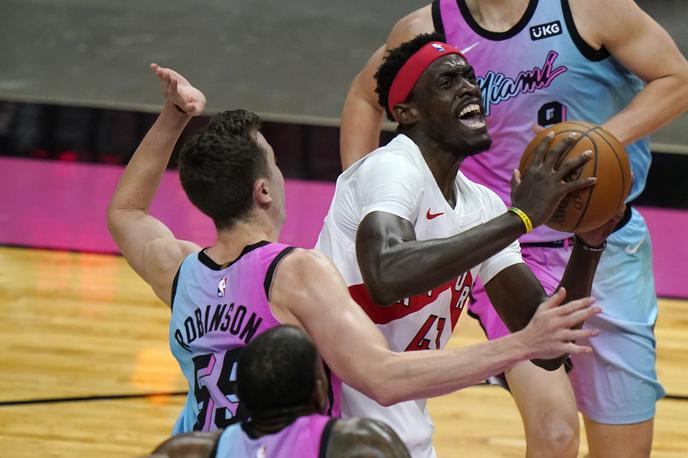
472,117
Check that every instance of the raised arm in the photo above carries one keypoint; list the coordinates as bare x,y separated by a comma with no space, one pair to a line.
647,50
309,287
362,116
146,243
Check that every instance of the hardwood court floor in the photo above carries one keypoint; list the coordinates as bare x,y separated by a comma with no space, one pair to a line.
85,368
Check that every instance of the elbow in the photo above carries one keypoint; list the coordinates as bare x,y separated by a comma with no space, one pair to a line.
112,218
386,400
380,283
680,88
381,293
383,393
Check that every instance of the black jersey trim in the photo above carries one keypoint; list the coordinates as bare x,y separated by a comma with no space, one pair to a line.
330,390
174,286
210,264
497,36
437,17
325,438
588,51
216,446
267,283
251,433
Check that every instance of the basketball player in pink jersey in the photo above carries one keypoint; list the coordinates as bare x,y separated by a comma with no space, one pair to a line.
223,296
541,62
283,385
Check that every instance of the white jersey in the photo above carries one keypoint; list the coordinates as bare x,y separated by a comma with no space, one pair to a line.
396,179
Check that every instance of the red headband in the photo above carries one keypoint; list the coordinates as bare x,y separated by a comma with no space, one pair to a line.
410,72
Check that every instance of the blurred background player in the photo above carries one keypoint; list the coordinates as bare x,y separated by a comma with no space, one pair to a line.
282,384
223,296
410,233
541,63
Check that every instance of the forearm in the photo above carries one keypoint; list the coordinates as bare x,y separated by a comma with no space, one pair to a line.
437,261
655,106
360,127
580,271
142,175
577,279
423,374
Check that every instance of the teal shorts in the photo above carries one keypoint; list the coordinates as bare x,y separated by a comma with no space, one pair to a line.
617,383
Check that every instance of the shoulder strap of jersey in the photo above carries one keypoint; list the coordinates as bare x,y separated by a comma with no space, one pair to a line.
325,437
437,17
269,275
588,51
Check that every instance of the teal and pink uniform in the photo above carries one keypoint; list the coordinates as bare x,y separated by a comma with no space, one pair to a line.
306,437
541,71
216,311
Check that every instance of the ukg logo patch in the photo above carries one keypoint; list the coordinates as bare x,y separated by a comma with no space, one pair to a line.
539,32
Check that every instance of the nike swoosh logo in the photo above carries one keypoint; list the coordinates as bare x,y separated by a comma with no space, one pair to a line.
631,249
468,48
429,215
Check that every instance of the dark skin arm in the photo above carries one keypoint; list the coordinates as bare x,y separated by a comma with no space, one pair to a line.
517,305
364,438
395,265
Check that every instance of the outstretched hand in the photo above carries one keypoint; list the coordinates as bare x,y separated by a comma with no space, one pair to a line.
549,333
178,91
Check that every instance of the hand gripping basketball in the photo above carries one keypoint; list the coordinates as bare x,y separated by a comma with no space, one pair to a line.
585,209
539,187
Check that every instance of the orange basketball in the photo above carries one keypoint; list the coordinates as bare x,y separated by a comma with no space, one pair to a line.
587,209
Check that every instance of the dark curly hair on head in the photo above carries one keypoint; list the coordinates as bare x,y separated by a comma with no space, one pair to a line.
394,60
276,370
219,166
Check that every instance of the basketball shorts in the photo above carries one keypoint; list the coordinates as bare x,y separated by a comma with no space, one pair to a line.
617,383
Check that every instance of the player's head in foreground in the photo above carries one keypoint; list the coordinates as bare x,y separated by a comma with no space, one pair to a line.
280,377
280,373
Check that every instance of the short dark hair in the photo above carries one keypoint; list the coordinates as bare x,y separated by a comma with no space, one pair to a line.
277,370
394,60
219,166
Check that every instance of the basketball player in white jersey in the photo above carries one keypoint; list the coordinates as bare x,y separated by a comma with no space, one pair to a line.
541,62
410,233
229,172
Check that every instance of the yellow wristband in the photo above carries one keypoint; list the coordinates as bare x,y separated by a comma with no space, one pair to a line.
526,221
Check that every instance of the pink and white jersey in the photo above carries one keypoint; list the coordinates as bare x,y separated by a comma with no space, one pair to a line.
306,437
396,179
538,72
216,311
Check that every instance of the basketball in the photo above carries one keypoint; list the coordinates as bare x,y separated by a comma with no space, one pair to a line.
589,208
